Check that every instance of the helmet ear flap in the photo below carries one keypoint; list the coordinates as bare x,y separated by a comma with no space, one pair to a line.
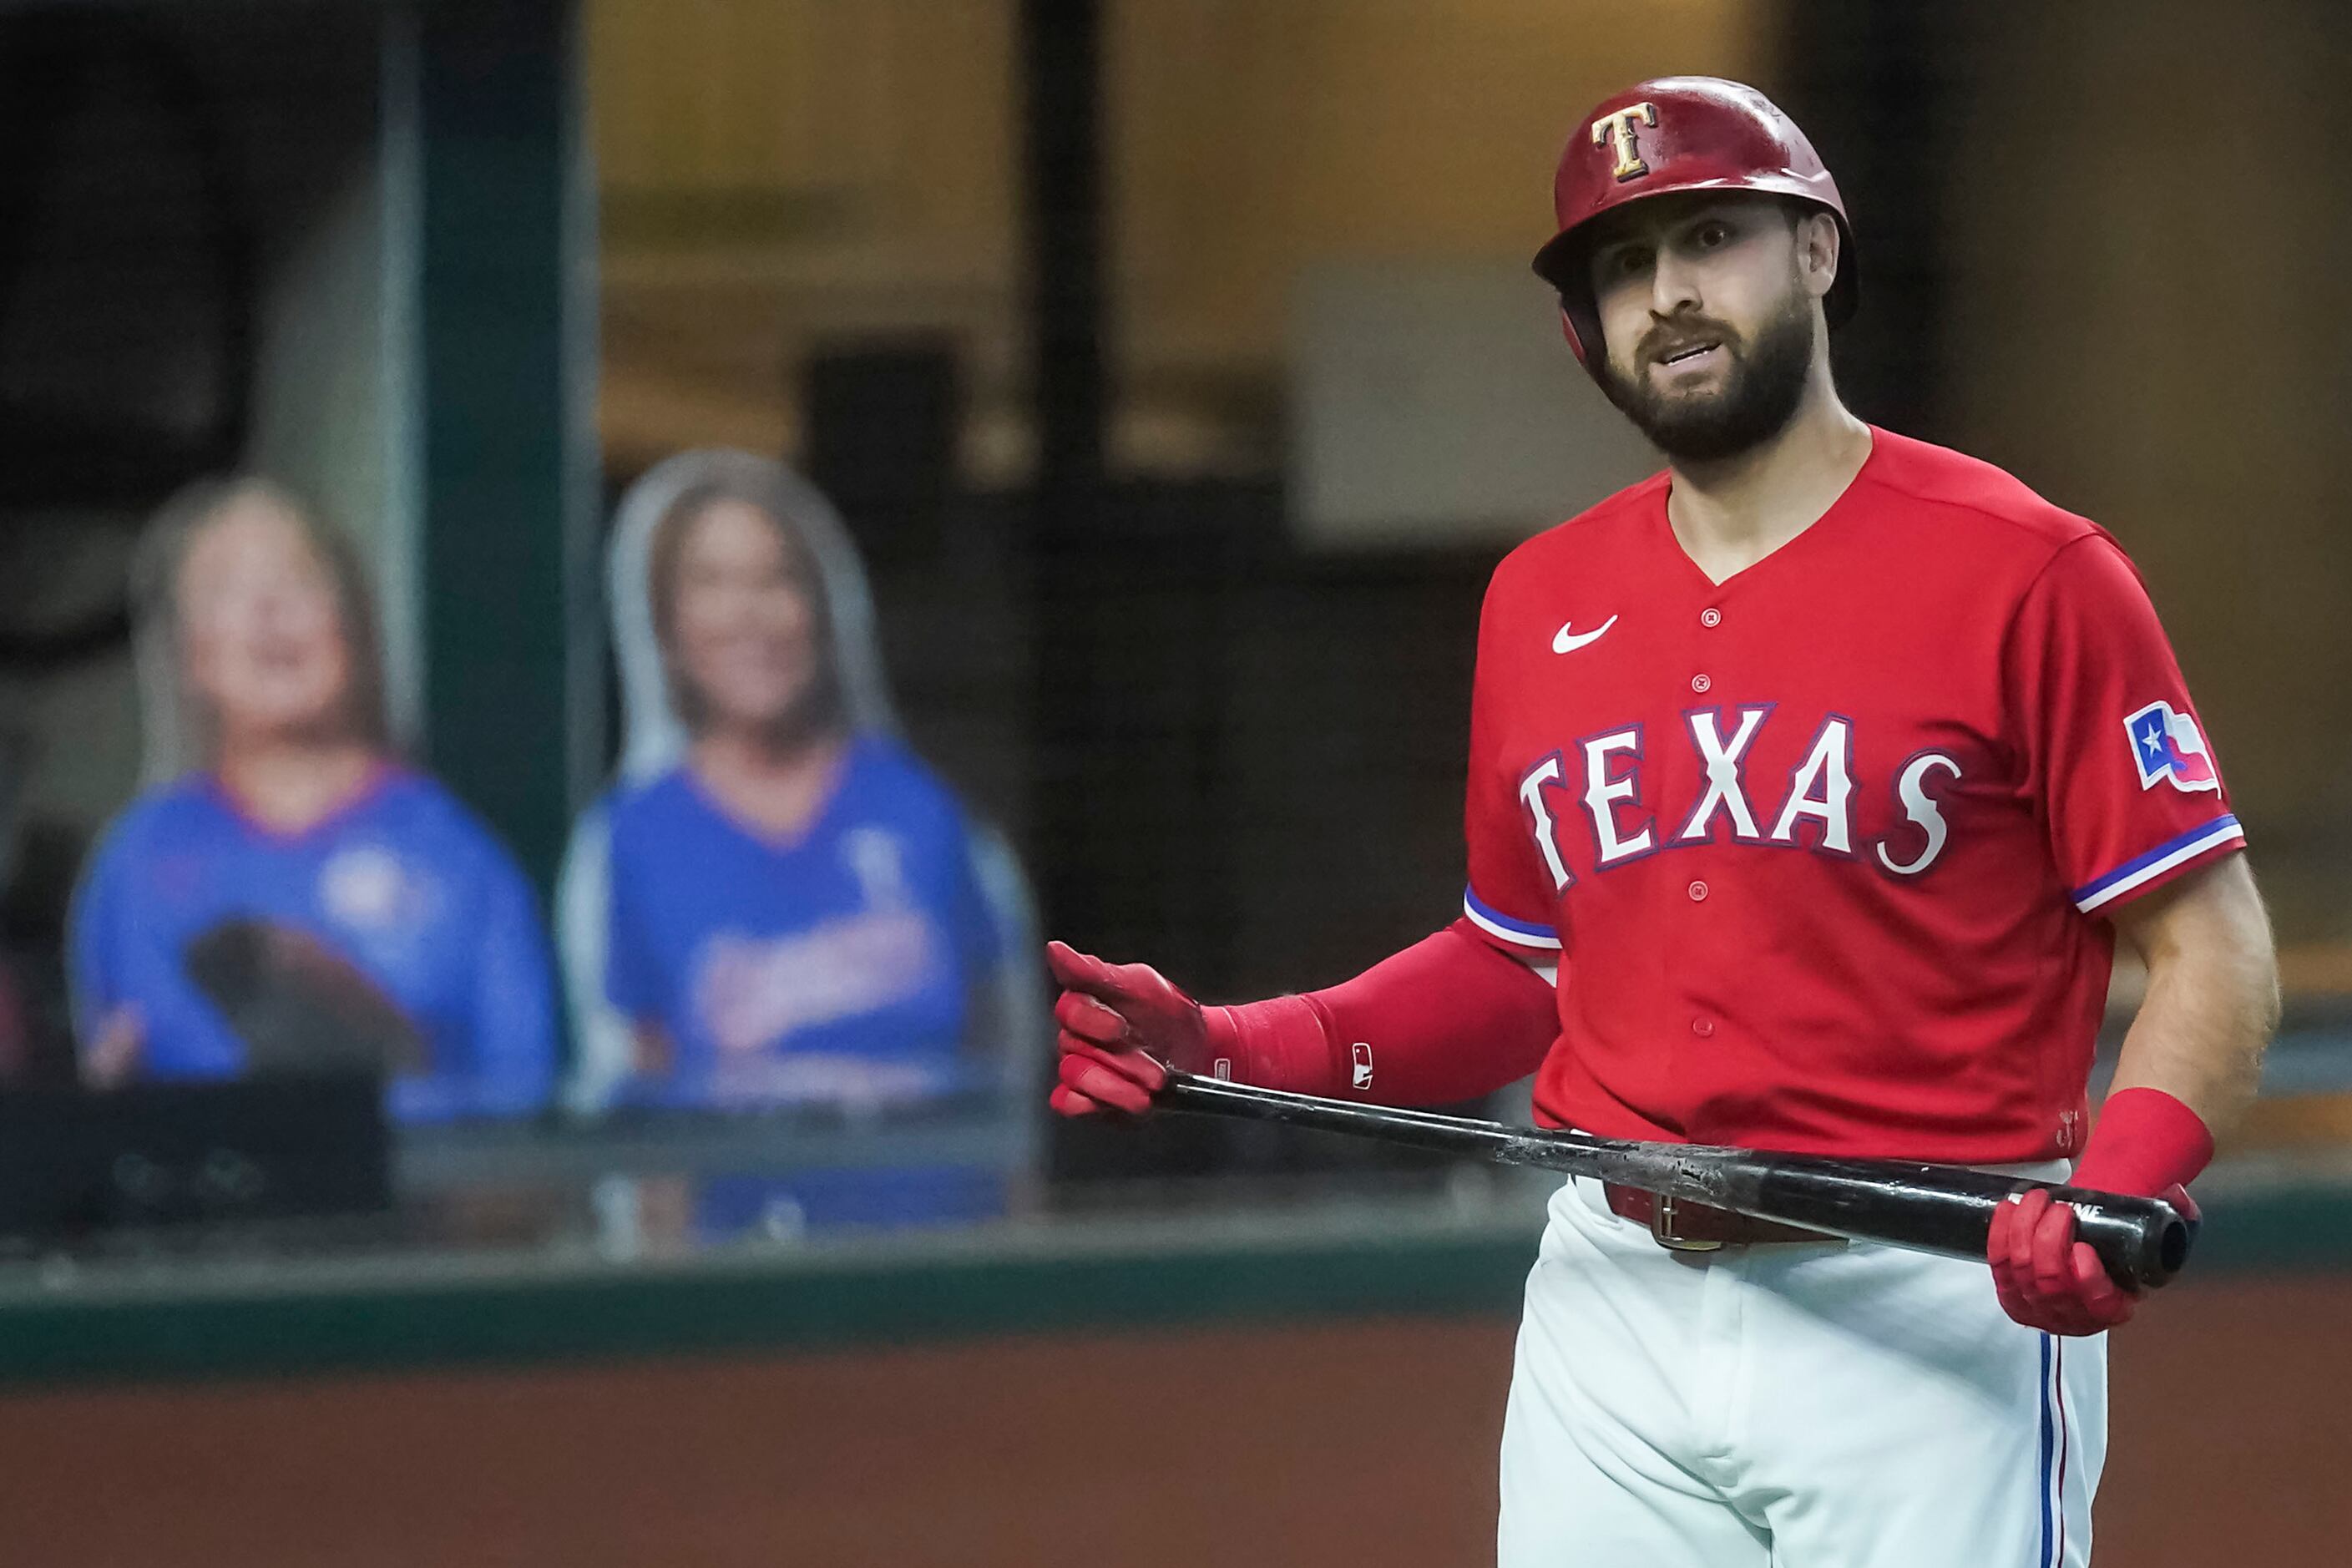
1561,264
1580,323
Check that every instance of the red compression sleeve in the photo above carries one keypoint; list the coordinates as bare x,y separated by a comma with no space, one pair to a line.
1448,1019
2146,1141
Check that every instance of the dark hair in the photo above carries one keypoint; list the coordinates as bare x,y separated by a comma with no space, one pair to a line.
825,708
164,552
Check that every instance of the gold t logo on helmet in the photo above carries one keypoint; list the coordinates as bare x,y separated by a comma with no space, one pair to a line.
1618,129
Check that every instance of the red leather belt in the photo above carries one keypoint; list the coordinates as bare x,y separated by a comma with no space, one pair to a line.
1683,1226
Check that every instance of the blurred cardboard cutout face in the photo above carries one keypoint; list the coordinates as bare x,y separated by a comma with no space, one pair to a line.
743,621
261,627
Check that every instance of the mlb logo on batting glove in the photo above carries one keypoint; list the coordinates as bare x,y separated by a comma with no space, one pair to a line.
2168,745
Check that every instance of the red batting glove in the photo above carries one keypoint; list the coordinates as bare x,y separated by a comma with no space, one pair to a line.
2147,1143
1115,1019
2048,1280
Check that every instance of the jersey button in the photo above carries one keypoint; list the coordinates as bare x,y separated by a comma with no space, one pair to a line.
1710,617
1703,1028
1700,683
1698,892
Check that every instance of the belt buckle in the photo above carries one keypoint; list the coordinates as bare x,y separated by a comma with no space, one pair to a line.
1662,1232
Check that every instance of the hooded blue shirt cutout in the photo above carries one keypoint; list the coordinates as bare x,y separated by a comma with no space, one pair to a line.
857,944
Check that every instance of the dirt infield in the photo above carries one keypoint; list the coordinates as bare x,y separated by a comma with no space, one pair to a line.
1363,1444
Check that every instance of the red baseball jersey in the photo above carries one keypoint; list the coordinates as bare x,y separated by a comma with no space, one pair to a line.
1829,847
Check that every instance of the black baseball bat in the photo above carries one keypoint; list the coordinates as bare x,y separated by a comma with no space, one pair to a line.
1947,1209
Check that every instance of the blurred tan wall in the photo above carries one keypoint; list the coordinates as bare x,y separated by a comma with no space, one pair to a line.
889,121
1255,137
2152,323
777,171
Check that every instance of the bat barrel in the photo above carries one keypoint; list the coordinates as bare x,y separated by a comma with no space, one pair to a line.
2142,1242
2142,1249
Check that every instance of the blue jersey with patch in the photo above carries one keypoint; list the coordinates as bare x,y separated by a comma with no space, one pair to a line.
404,883
833,966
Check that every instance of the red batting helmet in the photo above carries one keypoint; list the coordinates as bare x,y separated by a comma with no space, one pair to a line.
1679,133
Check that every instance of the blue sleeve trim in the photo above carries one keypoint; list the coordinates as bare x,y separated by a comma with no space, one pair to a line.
1521,934
2144,868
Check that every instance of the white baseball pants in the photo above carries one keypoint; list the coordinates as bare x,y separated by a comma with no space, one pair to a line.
1788,1407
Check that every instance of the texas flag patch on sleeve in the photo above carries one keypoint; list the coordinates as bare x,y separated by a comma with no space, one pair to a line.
2168,745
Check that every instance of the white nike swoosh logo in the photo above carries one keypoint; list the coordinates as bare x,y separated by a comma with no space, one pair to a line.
1566,641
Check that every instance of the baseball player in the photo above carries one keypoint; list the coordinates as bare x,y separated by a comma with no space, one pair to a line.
1810,782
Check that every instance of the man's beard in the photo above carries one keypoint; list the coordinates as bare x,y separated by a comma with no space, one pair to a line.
1758,399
